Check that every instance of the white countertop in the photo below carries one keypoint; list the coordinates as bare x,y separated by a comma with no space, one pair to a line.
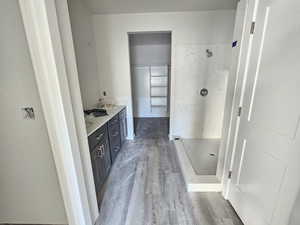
94,123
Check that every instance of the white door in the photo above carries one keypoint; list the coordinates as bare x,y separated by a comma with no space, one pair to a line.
265,176
245,15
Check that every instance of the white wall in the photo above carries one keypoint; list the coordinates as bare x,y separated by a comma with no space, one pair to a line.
84,43
150,54
189,30
150,49
29,189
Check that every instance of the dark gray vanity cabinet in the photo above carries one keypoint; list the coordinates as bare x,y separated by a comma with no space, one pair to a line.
100,156
114,136
123,125
105,144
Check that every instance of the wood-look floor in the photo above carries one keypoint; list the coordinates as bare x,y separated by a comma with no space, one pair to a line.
145,186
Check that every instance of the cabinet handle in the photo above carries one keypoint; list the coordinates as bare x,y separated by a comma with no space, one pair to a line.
99,136
100,151
98,154
116,148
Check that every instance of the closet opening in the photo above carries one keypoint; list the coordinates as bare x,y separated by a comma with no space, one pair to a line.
150,63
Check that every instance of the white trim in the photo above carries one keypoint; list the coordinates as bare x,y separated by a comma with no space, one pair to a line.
72,73
130,137
42,31
171,81
172,85
245,52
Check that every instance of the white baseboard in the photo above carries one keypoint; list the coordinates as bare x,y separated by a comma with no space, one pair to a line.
130,137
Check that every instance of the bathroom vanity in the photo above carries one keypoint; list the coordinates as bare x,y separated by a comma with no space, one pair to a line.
106,136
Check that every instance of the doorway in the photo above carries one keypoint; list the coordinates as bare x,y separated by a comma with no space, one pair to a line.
150,61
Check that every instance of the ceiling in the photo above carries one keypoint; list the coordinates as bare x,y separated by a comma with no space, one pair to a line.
142,6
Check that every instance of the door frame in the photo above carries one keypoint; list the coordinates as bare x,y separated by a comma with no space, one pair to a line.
170,80
51,48
241,80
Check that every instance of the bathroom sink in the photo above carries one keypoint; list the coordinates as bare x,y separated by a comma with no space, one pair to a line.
88,122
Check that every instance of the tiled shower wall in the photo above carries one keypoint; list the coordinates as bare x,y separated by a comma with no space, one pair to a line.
200,117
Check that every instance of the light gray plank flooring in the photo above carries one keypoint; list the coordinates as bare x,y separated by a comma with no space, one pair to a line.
145,186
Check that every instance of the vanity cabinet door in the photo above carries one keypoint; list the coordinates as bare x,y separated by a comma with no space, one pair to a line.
98,165
115,147
123,125
100,157
114,137
114,141
107,158
98,136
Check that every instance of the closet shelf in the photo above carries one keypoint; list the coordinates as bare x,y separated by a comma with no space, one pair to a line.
152,86
158,88
158,105
159,75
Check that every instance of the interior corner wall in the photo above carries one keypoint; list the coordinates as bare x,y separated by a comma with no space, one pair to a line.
192,33
29,191
84,44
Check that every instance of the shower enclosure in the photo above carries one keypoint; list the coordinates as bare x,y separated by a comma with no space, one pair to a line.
202,106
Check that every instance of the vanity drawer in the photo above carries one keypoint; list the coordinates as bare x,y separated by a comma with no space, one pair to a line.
97,136
115,149
101,164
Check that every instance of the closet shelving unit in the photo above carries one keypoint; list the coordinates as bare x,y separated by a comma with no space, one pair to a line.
159,76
